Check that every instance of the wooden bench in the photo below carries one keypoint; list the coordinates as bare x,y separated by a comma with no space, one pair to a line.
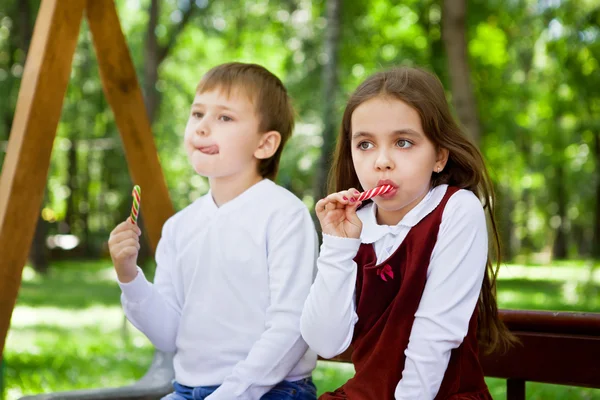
560,347
557,347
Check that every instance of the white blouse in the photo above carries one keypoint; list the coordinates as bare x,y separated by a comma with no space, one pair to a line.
454,278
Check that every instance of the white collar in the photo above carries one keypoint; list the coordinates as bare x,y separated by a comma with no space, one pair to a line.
372,231
242,198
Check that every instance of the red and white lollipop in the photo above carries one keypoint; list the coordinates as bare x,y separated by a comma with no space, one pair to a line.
376,191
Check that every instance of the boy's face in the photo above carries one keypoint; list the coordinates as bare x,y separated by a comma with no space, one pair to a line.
221,135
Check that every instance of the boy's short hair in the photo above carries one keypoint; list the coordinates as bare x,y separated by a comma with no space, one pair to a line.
270,98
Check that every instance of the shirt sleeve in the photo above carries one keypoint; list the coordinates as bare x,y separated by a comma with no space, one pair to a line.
292,246
153,308
454,280
329,313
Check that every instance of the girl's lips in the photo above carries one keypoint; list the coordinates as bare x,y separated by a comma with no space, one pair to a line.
387,182
213,149
389,194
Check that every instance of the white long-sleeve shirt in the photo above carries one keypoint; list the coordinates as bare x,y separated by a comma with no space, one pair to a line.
454,279
228,292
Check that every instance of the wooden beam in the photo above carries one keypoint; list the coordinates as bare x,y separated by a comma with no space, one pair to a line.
37,114
123,93
550,358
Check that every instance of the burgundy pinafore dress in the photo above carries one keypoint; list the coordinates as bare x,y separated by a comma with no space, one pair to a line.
387,298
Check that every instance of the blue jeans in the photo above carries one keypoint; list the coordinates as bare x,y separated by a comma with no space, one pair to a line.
298,390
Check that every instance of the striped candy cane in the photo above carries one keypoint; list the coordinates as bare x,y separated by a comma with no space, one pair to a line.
374,192
135,207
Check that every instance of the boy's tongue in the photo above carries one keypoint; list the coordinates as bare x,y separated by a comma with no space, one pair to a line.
213,149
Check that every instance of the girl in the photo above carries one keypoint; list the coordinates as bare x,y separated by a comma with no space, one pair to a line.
405,278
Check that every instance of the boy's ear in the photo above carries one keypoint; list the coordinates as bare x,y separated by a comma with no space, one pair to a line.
268,145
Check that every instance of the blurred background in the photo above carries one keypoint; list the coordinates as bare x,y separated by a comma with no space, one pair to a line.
527,89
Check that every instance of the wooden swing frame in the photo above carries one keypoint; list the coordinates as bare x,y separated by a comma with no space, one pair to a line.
38,111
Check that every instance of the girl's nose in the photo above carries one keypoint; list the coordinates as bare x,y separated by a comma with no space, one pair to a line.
383,162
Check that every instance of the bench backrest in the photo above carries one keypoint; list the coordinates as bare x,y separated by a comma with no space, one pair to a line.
556,347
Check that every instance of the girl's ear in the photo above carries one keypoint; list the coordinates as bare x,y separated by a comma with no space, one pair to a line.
442,159
269,143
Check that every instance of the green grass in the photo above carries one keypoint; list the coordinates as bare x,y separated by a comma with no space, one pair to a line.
68,331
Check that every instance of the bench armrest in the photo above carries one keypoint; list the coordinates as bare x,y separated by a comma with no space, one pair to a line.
156,383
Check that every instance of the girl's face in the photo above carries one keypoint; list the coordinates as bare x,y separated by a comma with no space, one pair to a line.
389,146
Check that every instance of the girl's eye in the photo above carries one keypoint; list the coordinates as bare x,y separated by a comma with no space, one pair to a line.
403,144
197,114
225,118
365,145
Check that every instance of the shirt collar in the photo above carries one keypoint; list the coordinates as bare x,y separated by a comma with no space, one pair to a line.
242,198
372,231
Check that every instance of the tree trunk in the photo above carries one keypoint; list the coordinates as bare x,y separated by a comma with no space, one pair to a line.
151,63
71,212
38,252
155,54
454,35
524,139
596,236
84,212
330,87
527,196
25,25
505,205
560,249
437,55
22,15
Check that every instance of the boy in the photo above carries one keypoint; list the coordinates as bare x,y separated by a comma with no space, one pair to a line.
235,267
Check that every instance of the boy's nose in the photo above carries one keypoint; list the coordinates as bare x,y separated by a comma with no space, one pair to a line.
202,129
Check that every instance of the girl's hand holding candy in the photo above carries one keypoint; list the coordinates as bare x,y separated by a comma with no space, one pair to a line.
337,214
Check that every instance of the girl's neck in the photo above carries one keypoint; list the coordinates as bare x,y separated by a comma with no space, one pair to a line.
393,217
226,189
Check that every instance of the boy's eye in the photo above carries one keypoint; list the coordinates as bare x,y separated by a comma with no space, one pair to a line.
404,144
365,145
225,118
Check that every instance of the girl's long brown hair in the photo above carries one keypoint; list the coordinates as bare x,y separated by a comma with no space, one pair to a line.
465,169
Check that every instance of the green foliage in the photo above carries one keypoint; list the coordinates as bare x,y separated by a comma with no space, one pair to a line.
534,66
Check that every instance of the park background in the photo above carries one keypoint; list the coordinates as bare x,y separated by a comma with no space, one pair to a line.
527,90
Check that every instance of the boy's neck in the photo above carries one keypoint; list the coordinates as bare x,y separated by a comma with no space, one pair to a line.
224,190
